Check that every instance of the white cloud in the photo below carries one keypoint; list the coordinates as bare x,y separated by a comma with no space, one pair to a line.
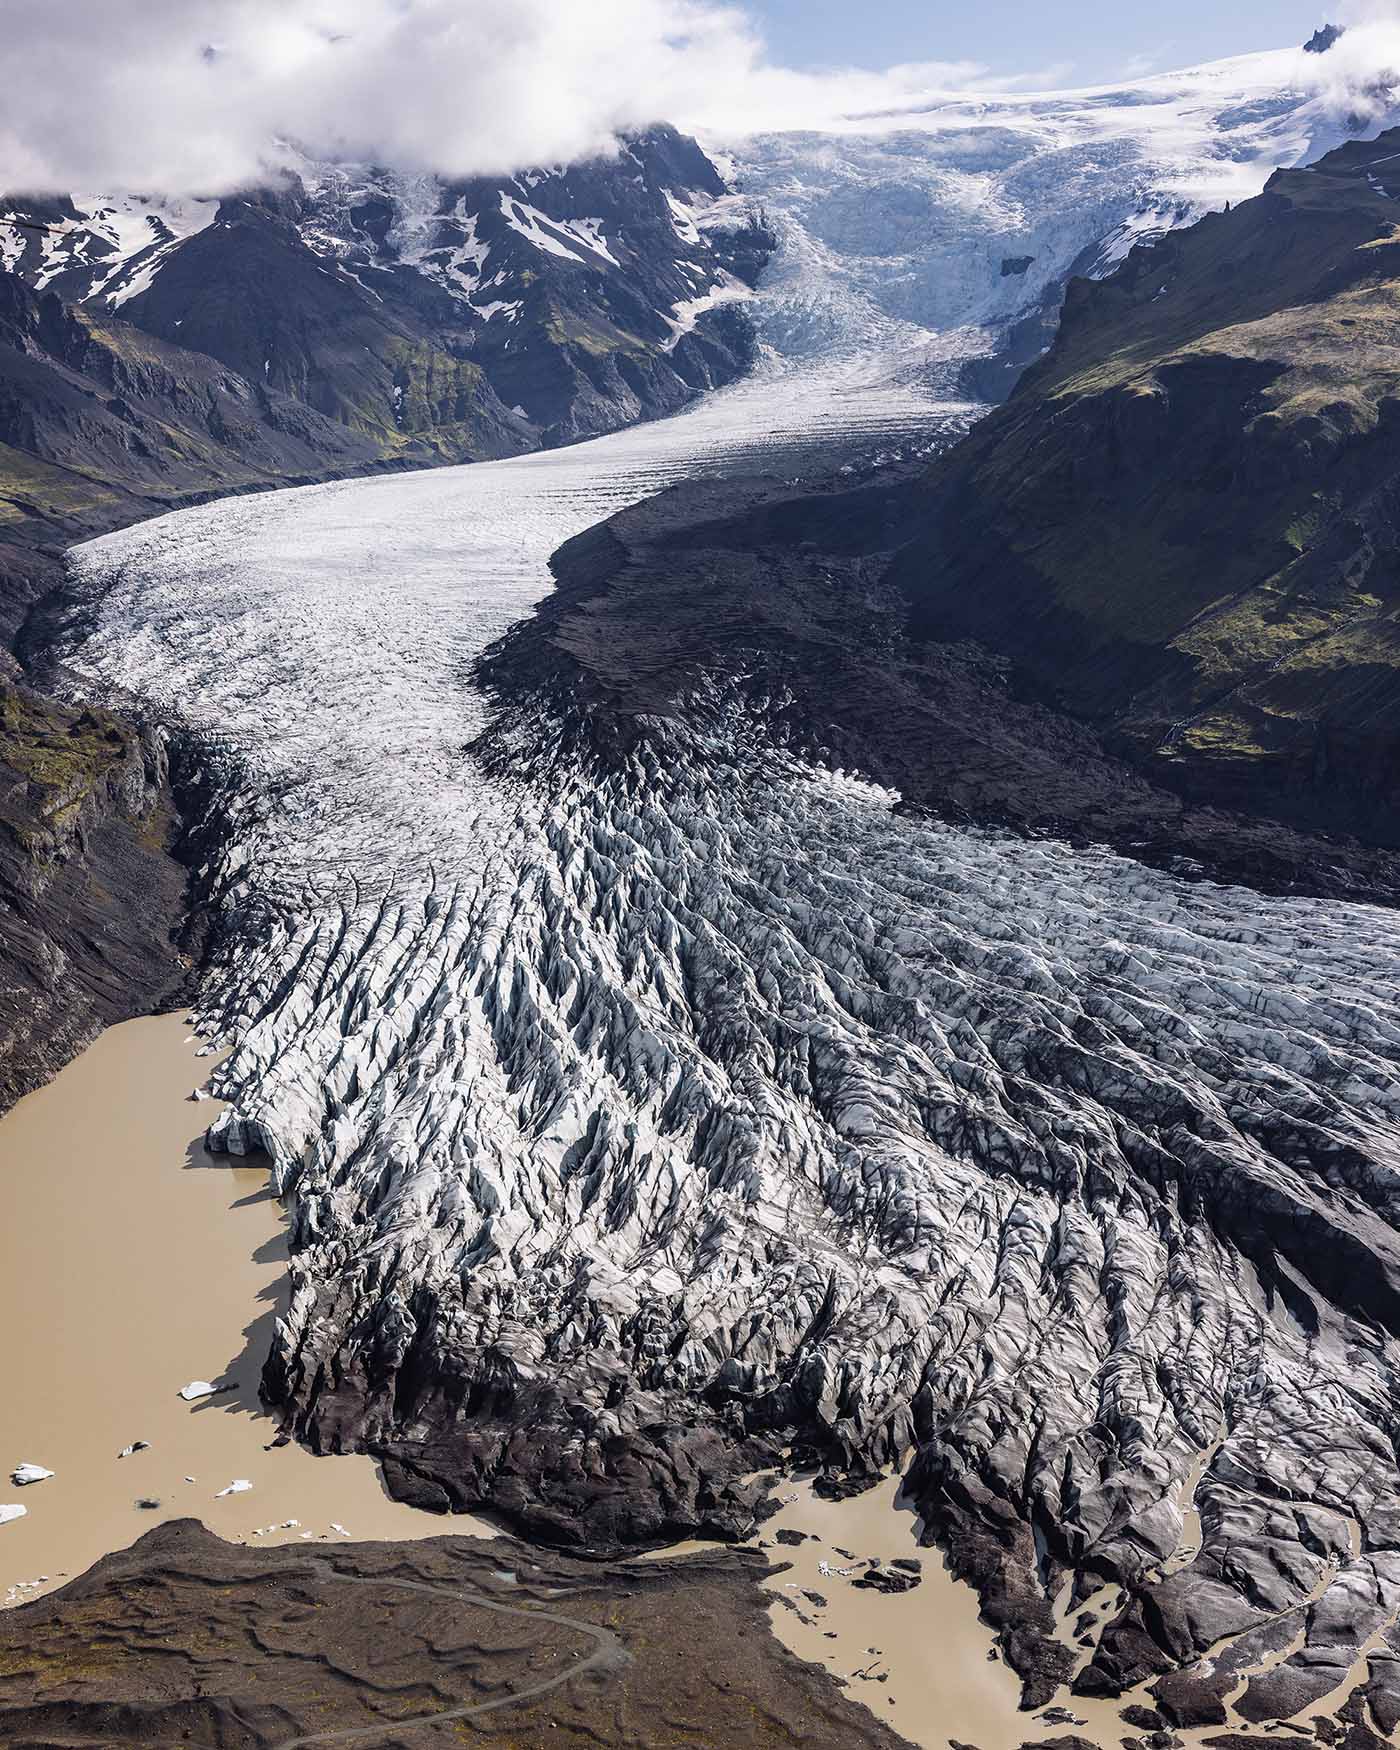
187,95
190,96
1359,73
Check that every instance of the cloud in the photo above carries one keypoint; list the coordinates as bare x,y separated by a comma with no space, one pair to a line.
188,95
1358,76
1137,66
192,96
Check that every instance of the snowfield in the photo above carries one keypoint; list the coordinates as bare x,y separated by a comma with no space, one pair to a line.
713,1076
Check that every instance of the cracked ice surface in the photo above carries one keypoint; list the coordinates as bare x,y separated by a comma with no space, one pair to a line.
710,1075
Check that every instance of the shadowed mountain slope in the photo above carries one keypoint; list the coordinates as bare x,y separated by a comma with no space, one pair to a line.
1183,525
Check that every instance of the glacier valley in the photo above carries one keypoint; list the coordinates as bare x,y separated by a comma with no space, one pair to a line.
644,1120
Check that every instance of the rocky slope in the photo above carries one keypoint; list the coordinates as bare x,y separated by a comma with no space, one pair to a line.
89,889
800,594
102,424
1183,526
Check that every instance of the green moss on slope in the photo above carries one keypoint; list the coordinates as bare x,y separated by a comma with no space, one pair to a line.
1185,524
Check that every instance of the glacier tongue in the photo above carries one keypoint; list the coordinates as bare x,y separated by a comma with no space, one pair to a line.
635,1111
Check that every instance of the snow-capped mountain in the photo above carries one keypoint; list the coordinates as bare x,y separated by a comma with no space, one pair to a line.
590,295
453,320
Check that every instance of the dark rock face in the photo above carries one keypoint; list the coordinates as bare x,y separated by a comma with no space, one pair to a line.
1322,39
186,1637
101,423
89,889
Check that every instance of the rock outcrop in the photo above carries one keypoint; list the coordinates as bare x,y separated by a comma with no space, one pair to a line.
89,889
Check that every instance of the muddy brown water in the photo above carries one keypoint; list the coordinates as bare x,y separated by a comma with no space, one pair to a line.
131,1263
923,1661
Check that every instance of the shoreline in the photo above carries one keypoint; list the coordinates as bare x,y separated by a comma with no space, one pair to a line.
134,1263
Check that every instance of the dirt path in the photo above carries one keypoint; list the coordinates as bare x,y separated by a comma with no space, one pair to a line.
608,1654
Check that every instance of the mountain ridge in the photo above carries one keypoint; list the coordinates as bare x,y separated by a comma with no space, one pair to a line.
445,320
1182,525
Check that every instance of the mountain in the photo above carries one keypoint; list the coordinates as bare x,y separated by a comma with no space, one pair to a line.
438,321
1183,526
101,421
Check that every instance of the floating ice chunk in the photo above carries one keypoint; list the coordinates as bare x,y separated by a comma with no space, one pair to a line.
824,1569
191,1479
239,1486
11,1511
29,1473
340,1528
136,1446
289,1525
197,1388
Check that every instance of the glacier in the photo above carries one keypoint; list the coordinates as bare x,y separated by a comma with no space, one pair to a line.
642,1118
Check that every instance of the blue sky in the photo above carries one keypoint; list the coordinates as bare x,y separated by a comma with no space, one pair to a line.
1102,39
